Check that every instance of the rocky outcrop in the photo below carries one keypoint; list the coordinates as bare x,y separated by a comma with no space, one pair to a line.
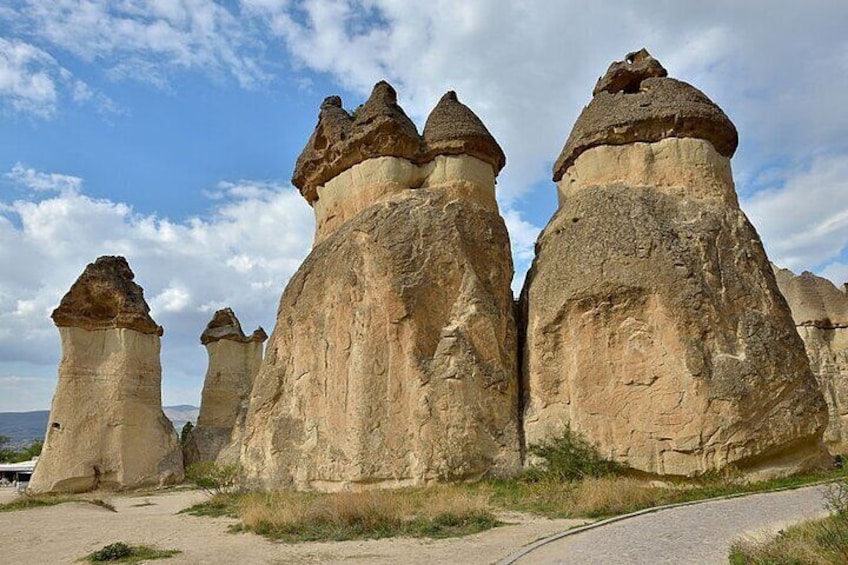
820,311
234,360
107,429
393,359
654,325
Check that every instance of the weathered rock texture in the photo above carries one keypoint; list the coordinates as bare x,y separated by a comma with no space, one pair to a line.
820,311
234,360
653,321
393,360
107,429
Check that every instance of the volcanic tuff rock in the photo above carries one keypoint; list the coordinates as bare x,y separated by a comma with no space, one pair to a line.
654,325
393,360
107,429
820,311
234,360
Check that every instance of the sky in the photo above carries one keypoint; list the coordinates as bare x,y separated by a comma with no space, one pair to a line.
167,131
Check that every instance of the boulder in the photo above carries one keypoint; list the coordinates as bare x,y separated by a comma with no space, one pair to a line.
820,311
106,428
234,360
654,325
393,358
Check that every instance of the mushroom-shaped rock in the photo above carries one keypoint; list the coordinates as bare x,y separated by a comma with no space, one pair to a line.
105,297
636,102
106,428
453,129
820,311
378,128
654,325
234,360
393,359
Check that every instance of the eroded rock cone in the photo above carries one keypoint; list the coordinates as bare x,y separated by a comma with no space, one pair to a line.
106,428
393,359
234,360
820,311
654,325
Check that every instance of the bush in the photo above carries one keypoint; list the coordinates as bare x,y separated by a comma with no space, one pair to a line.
213,478
185,433
112,552
571,457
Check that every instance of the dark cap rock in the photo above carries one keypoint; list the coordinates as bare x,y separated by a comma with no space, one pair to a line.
453,129
225,325
378,128
105,297
636,102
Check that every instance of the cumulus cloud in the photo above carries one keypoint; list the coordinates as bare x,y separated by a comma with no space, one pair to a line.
241,255
804,222
43,182
145,40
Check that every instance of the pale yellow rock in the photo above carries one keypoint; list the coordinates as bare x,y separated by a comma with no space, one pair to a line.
393,361
654,325
820,311
378,179
107,429
234,360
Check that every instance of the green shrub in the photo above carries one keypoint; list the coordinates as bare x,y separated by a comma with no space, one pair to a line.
570,457
185,432
112,552
213,478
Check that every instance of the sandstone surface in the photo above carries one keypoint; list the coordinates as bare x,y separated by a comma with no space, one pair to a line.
234,360
393,359
820,311
106,428
654,325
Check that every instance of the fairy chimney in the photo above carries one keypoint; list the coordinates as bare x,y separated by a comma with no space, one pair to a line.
393,359
106,428
654,325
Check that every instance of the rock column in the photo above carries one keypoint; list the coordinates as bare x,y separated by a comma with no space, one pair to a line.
234,360
106,428
654,325
820,311
393,359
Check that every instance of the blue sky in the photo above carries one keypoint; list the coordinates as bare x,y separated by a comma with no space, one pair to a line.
167,131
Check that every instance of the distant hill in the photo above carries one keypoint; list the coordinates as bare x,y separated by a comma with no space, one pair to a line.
23,427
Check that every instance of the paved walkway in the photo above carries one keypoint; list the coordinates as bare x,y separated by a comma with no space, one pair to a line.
698,534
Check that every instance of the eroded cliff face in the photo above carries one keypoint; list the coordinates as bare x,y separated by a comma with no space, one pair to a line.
653,321
234,360
820,312
106,428
393,360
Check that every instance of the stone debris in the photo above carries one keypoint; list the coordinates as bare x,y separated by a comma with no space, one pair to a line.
654,325
393,359
106,428
820,311
234,360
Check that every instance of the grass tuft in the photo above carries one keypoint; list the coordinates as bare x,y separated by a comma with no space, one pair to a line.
25,502
120,552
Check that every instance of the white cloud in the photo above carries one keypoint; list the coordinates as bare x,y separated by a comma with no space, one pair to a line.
147,40
43,182
804,222
27,78
241,256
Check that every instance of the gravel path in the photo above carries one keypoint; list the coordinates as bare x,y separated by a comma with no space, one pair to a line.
701,533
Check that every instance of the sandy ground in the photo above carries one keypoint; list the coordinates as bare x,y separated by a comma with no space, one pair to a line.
64,533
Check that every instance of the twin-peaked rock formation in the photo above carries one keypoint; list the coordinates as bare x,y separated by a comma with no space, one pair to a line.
393,360
654,325
234,360
820,311
106,427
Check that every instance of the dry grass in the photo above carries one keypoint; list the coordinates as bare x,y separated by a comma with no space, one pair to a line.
436,512
818,542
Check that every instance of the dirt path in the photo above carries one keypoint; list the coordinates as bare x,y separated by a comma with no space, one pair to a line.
64,533
698,534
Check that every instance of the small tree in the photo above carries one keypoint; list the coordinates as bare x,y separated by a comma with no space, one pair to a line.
185,433
213,478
